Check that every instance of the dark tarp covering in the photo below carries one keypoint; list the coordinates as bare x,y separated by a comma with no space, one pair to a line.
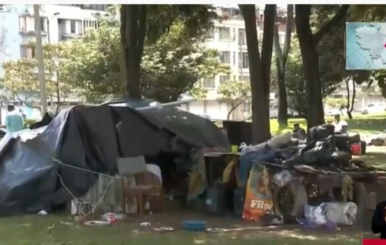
91,138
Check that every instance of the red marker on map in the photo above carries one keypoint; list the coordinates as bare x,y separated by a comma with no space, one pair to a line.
384,45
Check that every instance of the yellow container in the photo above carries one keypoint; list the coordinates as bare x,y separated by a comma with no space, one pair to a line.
234,148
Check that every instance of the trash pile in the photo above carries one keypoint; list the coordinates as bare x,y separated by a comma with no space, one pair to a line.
325,151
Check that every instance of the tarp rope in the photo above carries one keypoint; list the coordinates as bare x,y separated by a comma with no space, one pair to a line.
81,203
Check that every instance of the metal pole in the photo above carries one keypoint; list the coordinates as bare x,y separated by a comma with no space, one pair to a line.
39,56
49,41
48,31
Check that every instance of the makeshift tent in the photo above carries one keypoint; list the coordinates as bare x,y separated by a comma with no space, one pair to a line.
90,138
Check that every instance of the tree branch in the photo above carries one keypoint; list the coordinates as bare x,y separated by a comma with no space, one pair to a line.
234,107
331,24
288,31
276,43
249,11
26,103
266,50
141,30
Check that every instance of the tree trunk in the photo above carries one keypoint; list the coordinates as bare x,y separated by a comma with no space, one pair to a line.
281,60
282,96
315,113
308,46
259,69
350,102
133,32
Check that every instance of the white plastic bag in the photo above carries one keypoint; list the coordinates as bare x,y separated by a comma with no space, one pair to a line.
282,178
248,148
316,214
342,213
339,213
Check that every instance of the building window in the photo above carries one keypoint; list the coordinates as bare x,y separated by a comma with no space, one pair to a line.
210,33
73,27
26,24
225,57
89,25
242,37
225,33
244,78
43,24
209,83
27,52
243,60
224,79
100,7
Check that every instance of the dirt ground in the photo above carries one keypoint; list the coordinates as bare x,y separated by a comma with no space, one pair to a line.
63,230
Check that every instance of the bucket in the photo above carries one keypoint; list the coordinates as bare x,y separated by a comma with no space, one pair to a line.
234,149
356,149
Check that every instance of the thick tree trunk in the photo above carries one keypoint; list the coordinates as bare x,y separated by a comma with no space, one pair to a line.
282,97
281,60
133,30
315,113
308,46
259,69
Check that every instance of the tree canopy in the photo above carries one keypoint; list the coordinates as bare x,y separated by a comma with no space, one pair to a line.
21,80
142,24
170,67
234,93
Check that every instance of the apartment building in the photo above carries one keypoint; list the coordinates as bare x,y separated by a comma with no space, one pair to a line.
229,38
59,22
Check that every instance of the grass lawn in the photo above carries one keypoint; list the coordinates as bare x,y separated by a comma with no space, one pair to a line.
35,230
363,124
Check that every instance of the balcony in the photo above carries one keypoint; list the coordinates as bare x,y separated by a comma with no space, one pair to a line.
98,7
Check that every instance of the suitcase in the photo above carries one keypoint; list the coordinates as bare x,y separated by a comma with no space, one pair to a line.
354,138
363,147
356,149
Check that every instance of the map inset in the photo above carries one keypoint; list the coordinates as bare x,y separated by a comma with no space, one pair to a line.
365,46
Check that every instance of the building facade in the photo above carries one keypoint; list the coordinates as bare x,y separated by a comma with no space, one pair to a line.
62,22
229,38
59,22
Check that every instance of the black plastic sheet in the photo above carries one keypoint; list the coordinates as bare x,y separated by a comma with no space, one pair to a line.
90,138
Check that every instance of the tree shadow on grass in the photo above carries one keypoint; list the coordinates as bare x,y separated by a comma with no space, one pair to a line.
375,156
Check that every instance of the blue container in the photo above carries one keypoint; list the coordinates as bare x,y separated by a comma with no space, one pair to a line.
194,225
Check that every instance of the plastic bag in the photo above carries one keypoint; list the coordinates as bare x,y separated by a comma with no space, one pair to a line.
282,178
339,213
316,215
248,148
342,213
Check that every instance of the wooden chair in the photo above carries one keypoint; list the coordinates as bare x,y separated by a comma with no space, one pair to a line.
147,187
